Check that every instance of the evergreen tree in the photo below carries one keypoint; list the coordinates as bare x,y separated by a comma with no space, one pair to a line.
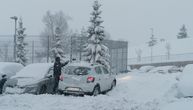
57,50
183,33
95,51
20,44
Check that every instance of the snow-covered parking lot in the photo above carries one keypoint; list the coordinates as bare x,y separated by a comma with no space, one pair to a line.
134,91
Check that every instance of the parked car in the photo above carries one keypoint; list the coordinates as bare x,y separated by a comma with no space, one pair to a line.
8,69
85,78
165,69
145,69
34,78
185,84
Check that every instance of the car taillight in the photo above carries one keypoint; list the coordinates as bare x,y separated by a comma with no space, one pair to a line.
90,79
61,77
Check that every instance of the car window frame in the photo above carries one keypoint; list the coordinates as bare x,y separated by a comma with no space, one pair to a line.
100,70
48,72
104,69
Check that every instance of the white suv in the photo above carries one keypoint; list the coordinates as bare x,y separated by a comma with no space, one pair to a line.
85,78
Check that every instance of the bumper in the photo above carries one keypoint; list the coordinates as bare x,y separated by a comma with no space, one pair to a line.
14,90
17,90
78,89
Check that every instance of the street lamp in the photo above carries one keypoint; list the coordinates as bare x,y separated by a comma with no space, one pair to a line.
14,46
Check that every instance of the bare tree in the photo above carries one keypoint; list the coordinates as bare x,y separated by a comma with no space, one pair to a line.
53,21
139,53
168,49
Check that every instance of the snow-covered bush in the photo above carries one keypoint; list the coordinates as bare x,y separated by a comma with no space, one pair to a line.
185,84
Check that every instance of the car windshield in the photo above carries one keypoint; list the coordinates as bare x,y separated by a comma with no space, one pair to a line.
75,70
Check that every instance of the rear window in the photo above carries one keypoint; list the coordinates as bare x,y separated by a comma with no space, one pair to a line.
74,70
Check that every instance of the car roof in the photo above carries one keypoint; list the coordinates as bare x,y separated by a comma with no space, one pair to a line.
35,70
84,64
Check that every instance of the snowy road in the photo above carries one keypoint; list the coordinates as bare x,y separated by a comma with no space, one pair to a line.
134,91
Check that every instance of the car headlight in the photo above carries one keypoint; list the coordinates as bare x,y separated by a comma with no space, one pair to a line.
31,88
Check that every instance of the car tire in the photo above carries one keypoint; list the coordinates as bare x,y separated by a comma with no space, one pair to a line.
43,89
96,91
113,84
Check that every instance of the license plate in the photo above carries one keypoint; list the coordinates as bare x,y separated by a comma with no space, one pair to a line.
14,90
73,89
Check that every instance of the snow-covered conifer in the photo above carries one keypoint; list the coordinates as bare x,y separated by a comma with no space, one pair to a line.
20,44
95,51
183,33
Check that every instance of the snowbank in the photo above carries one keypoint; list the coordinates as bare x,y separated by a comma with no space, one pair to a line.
183,104
134,91
186,83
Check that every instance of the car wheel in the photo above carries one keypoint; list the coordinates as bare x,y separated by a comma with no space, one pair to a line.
113,84
96,91
43,90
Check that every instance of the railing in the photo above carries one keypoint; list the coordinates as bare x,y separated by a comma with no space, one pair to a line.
162,58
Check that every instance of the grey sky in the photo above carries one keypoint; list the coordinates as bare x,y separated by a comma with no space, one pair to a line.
124,19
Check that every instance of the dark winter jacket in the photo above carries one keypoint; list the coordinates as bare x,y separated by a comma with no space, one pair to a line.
2,82
58,67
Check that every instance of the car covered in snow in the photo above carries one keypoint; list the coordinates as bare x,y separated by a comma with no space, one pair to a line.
84,78
145,69
185,84
34,78
165,69
8,69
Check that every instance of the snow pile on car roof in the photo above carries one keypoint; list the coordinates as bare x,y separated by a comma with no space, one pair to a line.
82,63
36,70
186,83
9,68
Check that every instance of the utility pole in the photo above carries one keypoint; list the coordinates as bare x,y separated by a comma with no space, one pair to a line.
71,49
48,49
32,51
152,35
80,51
14,43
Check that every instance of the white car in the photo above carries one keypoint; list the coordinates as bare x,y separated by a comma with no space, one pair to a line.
85,78
165,69
145,69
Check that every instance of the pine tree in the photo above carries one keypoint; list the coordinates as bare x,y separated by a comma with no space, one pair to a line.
57,50
20,44
95,51
183,33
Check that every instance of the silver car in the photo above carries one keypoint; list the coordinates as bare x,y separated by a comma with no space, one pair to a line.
34,79
85,78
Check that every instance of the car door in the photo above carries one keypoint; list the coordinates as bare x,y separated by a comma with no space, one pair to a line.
107,78
100,78
49,82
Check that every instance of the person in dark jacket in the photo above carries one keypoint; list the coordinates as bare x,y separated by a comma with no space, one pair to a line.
2,82
57,72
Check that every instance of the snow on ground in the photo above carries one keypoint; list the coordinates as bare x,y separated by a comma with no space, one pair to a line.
134,91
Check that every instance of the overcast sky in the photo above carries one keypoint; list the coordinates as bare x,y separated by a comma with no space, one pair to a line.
129,20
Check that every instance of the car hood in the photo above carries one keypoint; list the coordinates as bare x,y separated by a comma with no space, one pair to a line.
22,81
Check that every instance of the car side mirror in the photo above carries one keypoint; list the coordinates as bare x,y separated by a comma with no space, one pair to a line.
49,76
